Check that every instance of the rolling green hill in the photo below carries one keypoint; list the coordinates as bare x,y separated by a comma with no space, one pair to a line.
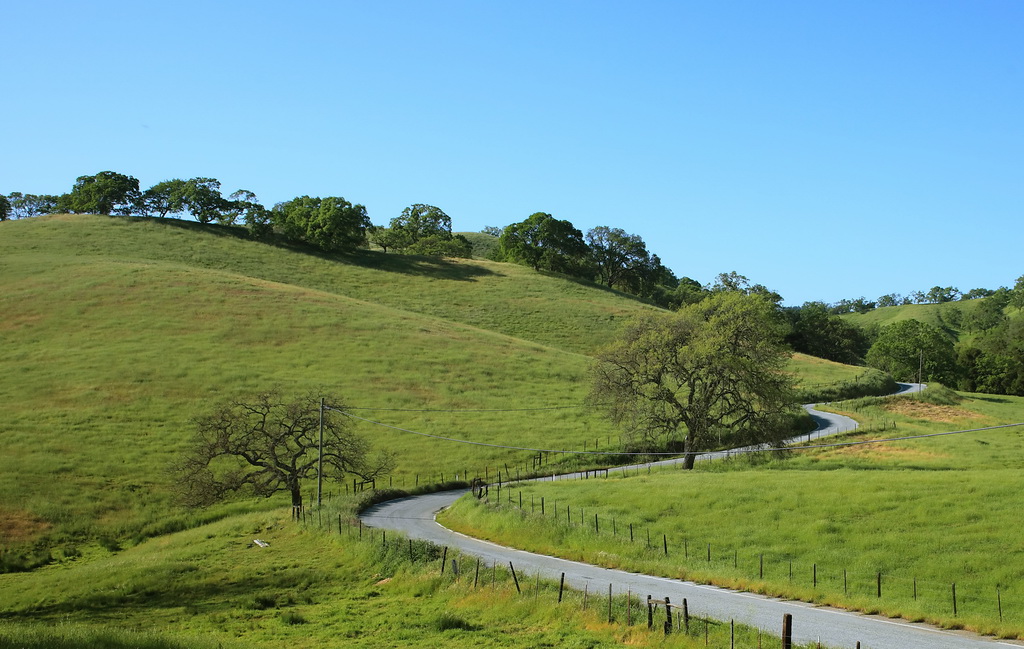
117,332
947,317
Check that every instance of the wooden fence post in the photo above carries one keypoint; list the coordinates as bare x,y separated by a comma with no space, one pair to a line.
561,585
954,599
686,616
787,631
650,614
668,616
444,559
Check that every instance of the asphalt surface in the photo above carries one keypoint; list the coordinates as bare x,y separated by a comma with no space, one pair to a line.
832,627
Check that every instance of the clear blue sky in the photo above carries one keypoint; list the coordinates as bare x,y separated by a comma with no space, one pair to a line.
827,150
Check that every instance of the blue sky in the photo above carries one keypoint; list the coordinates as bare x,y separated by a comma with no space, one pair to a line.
826,150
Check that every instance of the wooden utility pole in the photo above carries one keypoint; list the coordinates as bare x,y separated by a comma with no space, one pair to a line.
320,459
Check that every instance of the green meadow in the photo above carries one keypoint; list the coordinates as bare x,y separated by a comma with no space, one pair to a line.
821,525
312,585
117,332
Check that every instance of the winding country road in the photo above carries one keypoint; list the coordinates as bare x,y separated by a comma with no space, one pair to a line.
833,627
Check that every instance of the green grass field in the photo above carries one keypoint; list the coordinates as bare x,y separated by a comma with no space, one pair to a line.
117,332
311,587
922,513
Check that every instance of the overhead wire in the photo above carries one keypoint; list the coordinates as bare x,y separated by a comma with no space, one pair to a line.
731,451
472,409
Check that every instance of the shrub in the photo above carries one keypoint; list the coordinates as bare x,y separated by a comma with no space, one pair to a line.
872,383
447,621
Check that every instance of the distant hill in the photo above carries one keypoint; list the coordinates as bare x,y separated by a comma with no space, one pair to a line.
483,244
949,317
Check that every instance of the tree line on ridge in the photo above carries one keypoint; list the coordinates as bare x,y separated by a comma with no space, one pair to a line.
990,360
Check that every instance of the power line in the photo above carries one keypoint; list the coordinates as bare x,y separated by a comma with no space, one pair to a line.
470,409
740,450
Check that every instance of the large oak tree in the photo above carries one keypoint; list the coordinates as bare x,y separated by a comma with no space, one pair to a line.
710,372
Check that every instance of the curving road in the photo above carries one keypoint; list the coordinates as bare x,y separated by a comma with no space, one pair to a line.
836,628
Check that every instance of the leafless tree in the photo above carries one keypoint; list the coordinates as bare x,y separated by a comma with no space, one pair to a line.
266,444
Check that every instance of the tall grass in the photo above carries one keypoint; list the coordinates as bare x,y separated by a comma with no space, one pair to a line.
314,585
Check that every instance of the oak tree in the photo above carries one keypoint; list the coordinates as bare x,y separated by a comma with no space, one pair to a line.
712,372
266,444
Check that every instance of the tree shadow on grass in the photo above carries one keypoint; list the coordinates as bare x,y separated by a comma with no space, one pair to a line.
990,399
435,267
202,594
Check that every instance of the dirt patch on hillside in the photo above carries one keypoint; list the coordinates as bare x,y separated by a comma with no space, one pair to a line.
19,526
886,451
930,411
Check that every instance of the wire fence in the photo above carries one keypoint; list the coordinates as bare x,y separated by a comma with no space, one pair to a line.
630,610
957,598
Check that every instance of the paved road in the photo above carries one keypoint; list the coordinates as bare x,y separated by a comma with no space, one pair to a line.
835,628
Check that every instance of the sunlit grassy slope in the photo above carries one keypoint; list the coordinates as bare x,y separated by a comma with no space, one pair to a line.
117,332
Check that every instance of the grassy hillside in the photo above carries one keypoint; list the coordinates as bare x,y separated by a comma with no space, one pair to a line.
117,332
947,317
504,298
921,513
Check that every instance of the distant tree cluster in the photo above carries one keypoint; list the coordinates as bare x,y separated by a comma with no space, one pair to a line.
991,360
421,230
608,256
934,295
330,223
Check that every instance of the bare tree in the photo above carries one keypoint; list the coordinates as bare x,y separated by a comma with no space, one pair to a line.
266,444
